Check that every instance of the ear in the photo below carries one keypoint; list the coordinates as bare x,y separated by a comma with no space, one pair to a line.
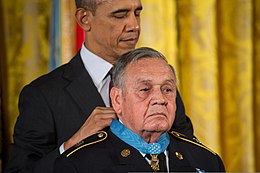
83,18
116,99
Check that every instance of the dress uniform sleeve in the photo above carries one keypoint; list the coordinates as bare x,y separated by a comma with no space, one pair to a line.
221,164
66,162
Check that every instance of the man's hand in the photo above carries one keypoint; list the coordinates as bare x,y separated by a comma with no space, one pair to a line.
100,118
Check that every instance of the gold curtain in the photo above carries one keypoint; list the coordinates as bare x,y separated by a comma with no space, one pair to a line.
213,44
68,30
26,26
158,27
235,49
256,79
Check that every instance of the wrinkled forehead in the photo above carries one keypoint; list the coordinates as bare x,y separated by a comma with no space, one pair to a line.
150,67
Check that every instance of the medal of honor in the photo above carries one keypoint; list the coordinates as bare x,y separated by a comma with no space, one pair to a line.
155,162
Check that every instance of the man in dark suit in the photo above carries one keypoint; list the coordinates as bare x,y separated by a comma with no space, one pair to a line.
144,99
61,108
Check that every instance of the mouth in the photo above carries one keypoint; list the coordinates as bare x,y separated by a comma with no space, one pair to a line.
131,41
160,114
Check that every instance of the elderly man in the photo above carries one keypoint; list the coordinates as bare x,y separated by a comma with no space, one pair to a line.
144,99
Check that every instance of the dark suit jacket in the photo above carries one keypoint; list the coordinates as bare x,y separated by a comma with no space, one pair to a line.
52,108
104,153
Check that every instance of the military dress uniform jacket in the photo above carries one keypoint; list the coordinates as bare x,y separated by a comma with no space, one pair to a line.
52,108
106,153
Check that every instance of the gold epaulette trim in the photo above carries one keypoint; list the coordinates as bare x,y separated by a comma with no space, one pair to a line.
101,134
184,138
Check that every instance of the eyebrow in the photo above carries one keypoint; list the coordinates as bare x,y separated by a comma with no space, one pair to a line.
148,81
126,10
171,81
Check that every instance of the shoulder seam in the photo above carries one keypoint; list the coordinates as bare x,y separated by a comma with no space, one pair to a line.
91,143
178,135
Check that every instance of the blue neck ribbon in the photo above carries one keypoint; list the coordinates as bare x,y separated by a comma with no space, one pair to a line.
137,142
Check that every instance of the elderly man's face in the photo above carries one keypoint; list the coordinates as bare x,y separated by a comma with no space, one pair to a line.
115,28
148,102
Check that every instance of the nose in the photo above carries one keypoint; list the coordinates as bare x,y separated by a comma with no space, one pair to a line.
158,97
133,23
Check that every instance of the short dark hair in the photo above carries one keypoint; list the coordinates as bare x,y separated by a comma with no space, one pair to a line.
133,56
90,5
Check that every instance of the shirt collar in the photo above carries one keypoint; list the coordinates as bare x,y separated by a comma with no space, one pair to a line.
96,66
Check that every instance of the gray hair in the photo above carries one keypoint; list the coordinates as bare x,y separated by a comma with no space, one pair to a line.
133,56
90,5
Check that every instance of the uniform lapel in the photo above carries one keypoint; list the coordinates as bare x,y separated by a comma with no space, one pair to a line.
129,159
81,87
178,160
133,163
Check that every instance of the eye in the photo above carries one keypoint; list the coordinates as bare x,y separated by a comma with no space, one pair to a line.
167,89
144,89
121,14
137,13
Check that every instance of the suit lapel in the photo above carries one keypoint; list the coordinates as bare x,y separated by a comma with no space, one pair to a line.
81,87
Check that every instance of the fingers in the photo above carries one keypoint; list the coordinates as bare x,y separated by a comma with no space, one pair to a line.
100,118
102,110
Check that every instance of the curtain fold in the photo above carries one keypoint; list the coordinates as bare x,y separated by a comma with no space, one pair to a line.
236,83
256,83
27,42
199,68
68,30
63,32
158,24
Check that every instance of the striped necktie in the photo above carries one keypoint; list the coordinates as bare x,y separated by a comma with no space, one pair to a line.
110,84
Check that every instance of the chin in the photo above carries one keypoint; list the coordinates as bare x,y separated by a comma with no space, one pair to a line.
127,48
158,128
